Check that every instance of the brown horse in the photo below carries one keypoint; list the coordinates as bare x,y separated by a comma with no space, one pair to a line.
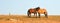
42,11
34,10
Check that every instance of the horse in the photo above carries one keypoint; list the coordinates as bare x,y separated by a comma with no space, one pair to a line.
42,11
34,11
31,11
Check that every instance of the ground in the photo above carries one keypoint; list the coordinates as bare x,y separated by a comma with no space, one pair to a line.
25,19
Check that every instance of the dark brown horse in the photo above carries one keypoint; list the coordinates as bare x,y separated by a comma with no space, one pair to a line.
34,10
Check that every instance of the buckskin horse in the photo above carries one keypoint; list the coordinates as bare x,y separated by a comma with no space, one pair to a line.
34,10
42,11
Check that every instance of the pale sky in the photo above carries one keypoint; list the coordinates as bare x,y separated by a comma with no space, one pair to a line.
21,6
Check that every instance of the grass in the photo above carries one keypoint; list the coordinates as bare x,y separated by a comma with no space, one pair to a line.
32,19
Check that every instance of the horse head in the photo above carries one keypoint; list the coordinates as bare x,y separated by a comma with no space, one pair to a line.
37,8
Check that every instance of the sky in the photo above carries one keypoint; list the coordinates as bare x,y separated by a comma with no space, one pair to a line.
21,6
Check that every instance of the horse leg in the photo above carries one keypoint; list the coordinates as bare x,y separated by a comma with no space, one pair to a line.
46,15
39,15
29,14
35,14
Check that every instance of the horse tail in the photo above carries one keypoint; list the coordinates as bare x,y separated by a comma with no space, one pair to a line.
28,12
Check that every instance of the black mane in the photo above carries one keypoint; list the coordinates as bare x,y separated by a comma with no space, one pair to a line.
37,8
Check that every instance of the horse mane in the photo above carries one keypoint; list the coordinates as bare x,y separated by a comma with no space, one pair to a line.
37,8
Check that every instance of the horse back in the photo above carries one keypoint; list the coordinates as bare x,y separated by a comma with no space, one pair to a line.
32,10
42,11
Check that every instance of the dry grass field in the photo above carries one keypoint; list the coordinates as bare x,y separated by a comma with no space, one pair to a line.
25,19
